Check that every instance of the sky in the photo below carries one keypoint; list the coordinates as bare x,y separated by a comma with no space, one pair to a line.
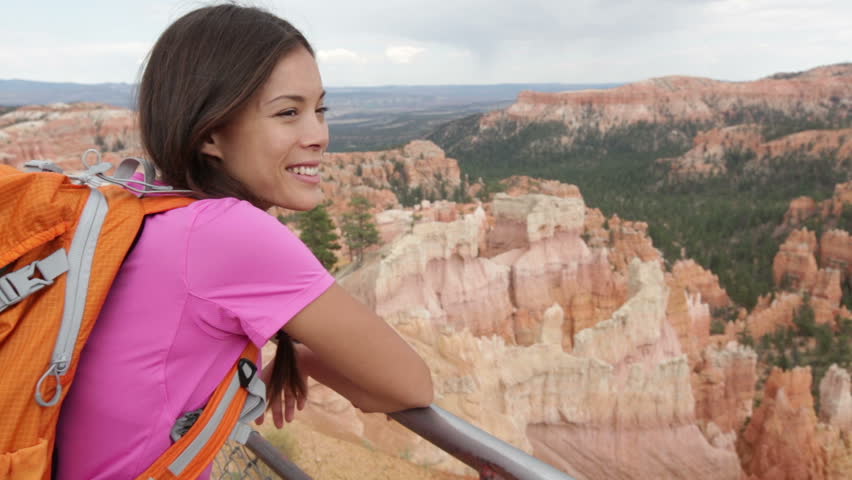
442,42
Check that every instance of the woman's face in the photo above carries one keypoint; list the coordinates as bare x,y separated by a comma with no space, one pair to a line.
275,143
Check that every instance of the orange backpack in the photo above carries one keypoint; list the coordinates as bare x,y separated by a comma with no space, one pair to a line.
63,239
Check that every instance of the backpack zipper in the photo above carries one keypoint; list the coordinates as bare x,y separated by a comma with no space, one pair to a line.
80,259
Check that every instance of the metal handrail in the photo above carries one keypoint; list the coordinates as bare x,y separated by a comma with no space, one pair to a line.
487,454
491,457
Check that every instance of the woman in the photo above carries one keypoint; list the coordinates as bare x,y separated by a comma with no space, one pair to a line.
231,107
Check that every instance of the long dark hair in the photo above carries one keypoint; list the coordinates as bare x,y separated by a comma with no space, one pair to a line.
205,67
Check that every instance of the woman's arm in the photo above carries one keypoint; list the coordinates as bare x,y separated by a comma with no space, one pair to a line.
353,351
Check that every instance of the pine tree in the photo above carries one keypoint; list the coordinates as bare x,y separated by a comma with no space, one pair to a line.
318,234
359,228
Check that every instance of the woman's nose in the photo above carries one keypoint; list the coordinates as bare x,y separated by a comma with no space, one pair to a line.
315,133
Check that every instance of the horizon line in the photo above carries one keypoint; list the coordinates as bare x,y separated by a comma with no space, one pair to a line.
388,85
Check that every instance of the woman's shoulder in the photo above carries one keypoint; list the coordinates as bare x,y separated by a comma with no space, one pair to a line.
223,209
238,227
243,259
233,217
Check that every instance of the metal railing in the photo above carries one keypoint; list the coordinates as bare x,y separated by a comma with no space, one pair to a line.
491,457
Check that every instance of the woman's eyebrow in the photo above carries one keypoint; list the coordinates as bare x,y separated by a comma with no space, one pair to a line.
295,98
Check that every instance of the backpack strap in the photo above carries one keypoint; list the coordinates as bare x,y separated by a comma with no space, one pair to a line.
78,264
125,176
157,204
239,399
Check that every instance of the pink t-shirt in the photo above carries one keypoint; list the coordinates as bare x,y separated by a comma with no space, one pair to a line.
200,283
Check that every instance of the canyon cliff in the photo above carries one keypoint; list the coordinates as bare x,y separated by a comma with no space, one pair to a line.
540,339
685,98
562,332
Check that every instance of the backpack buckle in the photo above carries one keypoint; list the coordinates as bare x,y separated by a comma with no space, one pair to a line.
18,285
246,370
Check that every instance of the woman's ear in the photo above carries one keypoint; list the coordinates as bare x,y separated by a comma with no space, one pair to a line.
210,147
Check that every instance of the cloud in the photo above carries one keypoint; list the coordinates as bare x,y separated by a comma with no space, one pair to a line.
486,27
403,53
73,62
340,55
469,41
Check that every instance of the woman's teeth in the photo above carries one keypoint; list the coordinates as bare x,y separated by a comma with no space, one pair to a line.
308,171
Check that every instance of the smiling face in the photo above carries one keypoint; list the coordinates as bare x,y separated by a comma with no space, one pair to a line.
275,143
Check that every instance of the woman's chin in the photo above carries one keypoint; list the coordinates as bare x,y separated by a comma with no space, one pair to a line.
304,203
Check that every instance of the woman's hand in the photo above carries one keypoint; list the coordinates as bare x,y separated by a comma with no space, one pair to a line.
282,408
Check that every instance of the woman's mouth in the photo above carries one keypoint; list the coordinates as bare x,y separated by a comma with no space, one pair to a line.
309,174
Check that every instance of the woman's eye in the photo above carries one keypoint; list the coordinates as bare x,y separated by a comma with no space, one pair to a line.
290,112
322,110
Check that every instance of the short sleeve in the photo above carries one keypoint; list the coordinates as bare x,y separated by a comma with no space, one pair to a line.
254,268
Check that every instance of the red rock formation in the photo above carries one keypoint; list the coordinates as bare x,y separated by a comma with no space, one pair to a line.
684,98
795,267
419,165
835,406
795,264
836,252
836,414
826,295
396,222
690,318
770,313
723,382
800,209
780,441
810,144
630,240
830,210
842,197
838,449
522,185
707,157
697,280
595,228
539,238
639,345
61,133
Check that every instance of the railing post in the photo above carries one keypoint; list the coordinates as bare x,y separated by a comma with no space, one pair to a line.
274,459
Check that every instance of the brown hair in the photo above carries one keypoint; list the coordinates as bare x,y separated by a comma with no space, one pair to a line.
203,69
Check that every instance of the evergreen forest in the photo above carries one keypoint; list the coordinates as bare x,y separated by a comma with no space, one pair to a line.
729,223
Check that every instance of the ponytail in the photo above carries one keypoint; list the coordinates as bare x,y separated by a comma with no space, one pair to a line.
285,369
